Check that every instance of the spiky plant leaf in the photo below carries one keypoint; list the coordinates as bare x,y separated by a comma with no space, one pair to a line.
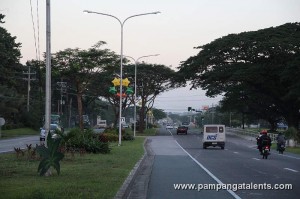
50,155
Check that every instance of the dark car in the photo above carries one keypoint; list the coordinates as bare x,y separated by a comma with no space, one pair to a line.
182,129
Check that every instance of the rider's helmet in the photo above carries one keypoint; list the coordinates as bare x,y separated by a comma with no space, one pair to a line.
264,132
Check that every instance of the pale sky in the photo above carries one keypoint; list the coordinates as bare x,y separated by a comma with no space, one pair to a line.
181,25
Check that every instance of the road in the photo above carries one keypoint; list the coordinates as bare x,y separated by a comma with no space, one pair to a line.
238,165
7,145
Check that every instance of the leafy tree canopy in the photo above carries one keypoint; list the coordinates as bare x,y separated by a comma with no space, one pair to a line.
264,64
9,56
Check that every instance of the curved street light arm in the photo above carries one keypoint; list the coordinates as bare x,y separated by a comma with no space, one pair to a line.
135,90
149,13
100,13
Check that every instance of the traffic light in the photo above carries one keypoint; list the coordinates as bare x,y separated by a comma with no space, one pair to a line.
189,108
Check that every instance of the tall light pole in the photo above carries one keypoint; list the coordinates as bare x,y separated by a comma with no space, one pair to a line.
121,64
48,72
135,72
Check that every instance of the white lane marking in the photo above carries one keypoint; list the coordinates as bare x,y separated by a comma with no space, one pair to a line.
288,156
291,170
255,159
208,172
236,152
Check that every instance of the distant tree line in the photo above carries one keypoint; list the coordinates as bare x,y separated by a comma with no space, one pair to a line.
80,84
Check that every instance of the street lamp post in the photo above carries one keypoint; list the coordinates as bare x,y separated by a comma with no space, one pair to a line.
121,64
135,74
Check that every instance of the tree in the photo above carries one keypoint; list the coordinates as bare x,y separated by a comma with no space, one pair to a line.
263,64
159,114
152,80
80,67
9,57
11,100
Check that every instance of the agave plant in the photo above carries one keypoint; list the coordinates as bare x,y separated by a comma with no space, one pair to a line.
50,155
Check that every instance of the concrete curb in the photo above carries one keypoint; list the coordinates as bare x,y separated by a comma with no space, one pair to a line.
136,184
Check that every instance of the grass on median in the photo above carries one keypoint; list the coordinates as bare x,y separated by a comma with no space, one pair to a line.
295,150
18,132
148,132
87,176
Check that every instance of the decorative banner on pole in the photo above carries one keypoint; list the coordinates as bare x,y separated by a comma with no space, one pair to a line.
116,82
129,91
113,90
125,83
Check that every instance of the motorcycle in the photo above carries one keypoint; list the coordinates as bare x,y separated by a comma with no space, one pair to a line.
281,148
265,151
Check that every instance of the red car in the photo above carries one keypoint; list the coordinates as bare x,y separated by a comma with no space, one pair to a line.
182,129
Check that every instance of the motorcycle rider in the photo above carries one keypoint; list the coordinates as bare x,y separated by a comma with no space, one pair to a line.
263,140
280,140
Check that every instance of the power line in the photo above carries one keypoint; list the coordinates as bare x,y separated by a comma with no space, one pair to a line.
189,100
182,96
38,27
33,26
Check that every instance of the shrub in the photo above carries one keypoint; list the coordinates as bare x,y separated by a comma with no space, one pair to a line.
128,136
86,140
291,133
111,130
108,137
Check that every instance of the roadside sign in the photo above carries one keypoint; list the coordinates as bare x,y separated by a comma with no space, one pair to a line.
2,121
122,119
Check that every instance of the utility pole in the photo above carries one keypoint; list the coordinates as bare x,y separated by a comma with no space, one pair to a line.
28,79
48,71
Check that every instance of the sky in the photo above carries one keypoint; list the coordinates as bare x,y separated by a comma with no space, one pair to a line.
173,34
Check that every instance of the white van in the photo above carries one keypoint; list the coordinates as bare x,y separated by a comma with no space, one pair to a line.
214,135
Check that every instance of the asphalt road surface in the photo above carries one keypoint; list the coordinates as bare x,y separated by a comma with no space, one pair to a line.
7,145
239,165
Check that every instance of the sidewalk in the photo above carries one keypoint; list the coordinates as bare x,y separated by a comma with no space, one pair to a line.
165,165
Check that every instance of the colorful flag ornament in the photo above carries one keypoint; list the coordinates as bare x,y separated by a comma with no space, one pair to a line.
129,91
116,81
123,95
113,90
125,82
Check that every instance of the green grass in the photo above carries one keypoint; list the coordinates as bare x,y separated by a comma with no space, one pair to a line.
88,176
18,132
295,150
148,132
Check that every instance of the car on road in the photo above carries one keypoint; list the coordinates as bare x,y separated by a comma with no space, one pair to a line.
53,129
169,126
182,129
186,124
214,135
96,129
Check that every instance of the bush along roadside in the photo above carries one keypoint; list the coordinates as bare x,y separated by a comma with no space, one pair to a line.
76,141
86,141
